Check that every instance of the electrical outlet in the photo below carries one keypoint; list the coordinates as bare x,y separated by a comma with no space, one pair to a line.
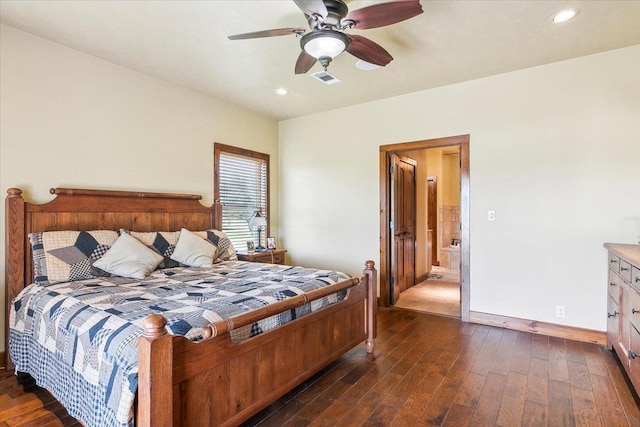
560,311
491,215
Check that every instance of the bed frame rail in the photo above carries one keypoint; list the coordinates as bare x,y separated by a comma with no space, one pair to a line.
220,383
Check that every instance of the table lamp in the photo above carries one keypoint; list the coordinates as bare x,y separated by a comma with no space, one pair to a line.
258,223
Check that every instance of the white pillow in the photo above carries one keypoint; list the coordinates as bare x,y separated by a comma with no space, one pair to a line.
129,257
193,250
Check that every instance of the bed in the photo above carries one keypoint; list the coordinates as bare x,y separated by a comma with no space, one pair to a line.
217,380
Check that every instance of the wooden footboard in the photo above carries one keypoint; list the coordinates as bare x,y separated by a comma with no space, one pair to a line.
217,382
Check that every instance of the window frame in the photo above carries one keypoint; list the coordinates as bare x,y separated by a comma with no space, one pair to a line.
219,148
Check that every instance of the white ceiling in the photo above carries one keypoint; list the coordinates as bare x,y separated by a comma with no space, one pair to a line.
185,42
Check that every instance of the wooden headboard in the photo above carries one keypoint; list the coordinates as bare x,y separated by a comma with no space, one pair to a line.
85,210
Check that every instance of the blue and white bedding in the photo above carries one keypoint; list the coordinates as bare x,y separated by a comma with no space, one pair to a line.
79,339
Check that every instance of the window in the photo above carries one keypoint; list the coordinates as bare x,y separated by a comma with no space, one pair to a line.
242,187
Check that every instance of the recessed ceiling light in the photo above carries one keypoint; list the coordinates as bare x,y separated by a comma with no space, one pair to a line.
367,66
564,15
281,91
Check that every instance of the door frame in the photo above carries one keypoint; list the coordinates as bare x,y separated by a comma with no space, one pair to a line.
461,141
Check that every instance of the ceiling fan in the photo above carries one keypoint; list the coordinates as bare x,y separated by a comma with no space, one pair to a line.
328,19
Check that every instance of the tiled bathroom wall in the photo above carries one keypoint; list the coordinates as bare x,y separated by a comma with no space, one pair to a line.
449,231
449,225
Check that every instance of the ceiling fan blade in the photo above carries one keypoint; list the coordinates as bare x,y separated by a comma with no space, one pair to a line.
304,62
383,14
369,51
268,33
312,7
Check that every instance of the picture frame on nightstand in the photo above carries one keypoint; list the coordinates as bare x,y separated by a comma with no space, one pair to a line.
271,243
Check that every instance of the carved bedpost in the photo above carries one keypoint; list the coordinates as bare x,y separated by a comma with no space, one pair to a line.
372,304
14,257
217,214
155,366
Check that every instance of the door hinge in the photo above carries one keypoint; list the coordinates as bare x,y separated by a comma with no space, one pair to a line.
391,225
390,280
390,170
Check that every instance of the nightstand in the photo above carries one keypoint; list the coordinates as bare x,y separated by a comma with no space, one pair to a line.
275,256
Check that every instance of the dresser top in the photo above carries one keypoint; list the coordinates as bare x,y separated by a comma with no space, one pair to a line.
630,253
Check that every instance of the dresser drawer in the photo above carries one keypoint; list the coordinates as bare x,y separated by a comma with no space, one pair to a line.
278,258
613,323
625,270
635,277
614,262
269,258
634,358
634,308
275,256
615,282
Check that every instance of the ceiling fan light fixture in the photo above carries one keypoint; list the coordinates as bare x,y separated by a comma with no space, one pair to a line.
324,43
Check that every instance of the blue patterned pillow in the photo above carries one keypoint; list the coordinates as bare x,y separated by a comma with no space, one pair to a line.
225,251
163,242
66,256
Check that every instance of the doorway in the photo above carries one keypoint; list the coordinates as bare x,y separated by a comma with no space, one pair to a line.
387,267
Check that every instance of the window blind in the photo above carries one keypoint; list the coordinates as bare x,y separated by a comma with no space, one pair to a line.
243,192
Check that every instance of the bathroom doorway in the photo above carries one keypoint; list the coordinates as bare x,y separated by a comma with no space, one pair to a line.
437,284
442,227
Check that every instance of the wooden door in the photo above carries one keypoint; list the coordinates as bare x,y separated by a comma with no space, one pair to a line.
432,216
403,224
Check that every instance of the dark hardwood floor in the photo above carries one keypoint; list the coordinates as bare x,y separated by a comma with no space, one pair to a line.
428,370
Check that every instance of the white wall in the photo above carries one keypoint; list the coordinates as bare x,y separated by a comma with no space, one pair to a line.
68,119
555,151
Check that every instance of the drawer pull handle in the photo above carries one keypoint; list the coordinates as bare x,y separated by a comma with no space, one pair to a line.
634,311
615,313
624,269
613,261
637,279
633,355
613,283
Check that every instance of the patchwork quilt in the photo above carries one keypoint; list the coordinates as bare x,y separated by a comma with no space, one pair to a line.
79,339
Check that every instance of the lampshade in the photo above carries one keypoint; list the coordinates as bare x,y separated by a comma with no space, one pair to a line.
257,221
324,43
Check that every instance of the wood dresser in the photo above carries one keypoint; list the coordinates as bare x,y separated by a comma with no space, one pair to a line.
623,307
275,256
